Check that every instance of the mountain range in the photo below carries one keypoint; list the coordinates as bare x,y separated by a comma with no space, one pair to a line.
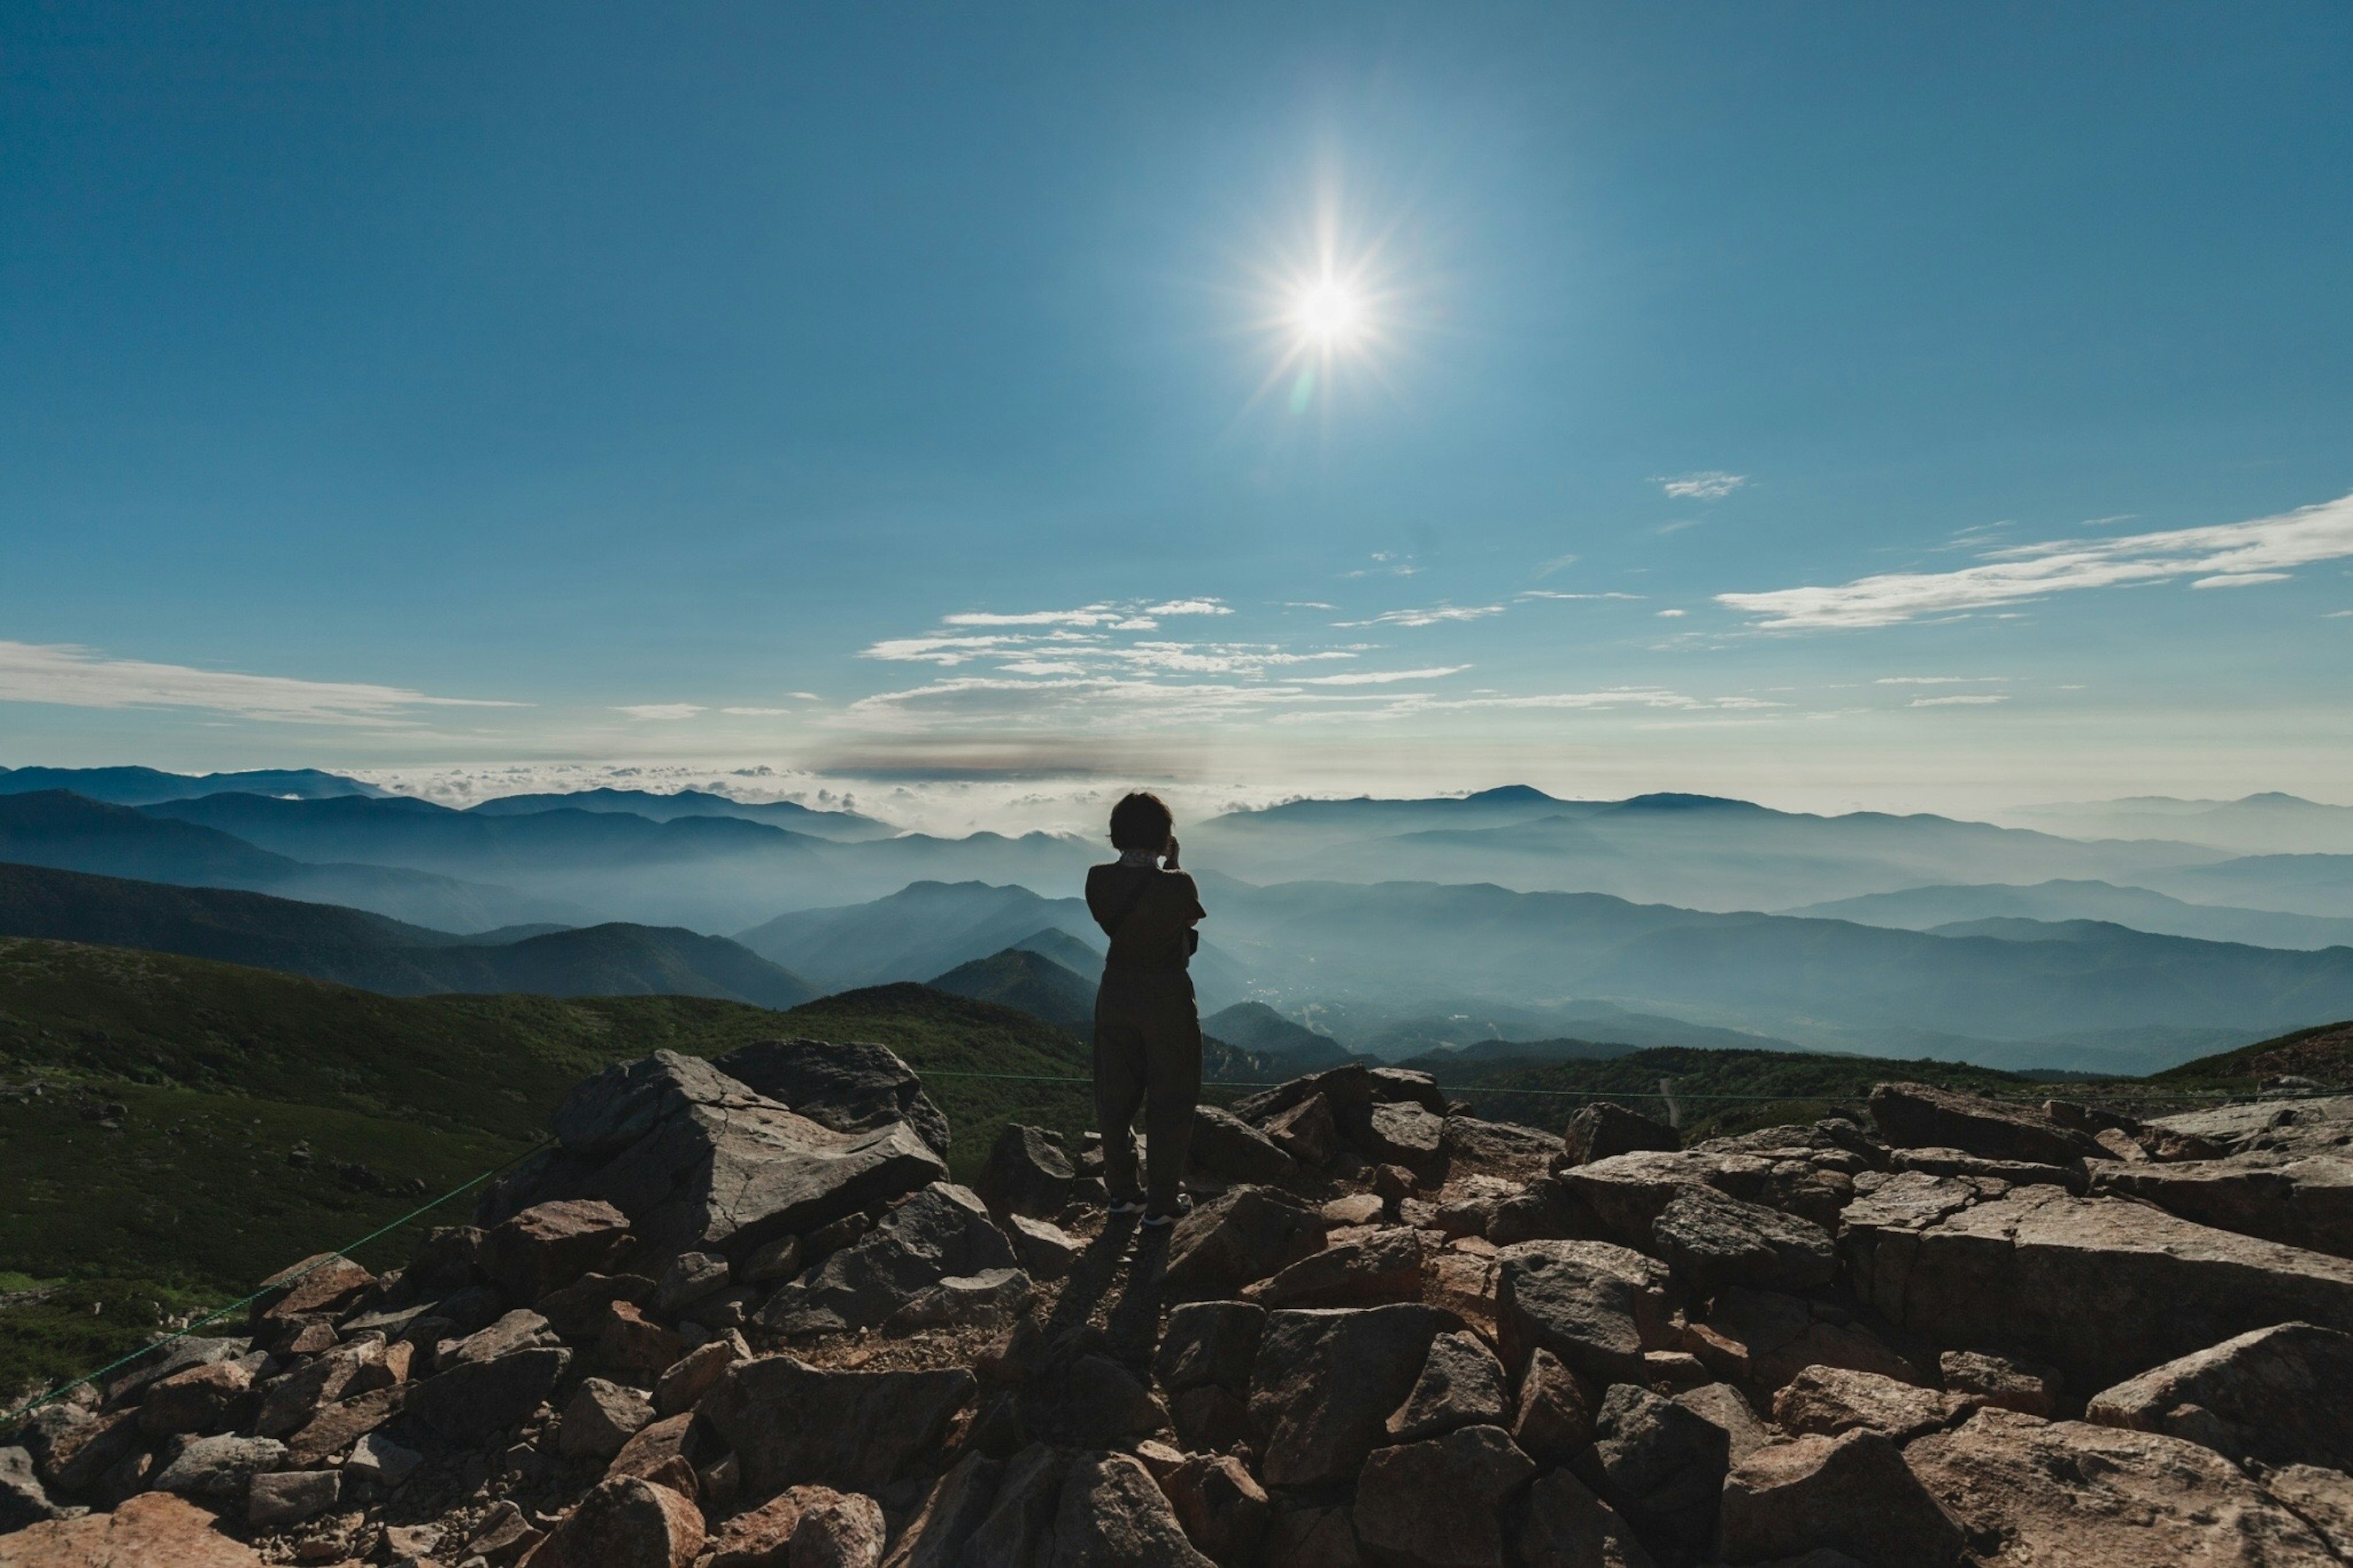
1934,907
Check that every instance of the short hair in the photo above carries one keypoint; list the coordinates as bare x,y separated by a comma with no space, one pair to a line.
1142,821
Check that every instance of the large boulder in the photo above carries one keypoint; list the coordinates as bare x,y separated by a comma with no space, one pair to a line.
1379,1266
625,1523
1238,1237
1223,1508
1324,1384
1664,1465
1826,1401
940,1232
1027,1173
218,1469
701,1163
72,1448
23,1499
1596,1306
1110,1510
1225,1148
550,1246
1851,1494
1462,1384
2258,1398
1765,1338
1440,1502
1921,1116
1552,1417
1350,1091
2317,1126
1085,1399
2304,1201
953,1510
1604,1128
1404,1133
2102,1288
2066,1492
852,1087
1209,1342
154,1527
474,1399
1712,1241
790,1424
1567,1525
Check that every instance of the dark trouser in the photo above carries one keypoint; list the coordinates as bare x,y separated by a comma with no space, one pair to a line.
1148,1058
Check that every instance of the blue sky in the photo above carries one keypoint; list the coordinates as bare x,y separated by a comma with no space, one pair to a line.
842,391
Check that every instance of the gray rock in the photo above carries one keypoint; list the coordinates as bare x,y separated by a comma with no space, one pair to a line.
1220,1505
289,1497
1084,1398
218,1469
1462,1384
852,1087
2023,1386
550,1246
2303,1200
779,1259
1382,1265
521,1329
686,1379
990,1300
378,1459
1714,1241
1109,1511
1404,1134
1229,1149
165,1361
474,1399
2252,1398
1027,1173
1351,1091
1596,1306
601,1418
1851,1493
691,1275
838,1530
1045,1248
1827,1401
1306,1132
1209,1342
2323,1499
1604,1128
1665,1466
1727,1407
625,1523
23,1499
1019,1524
1921,1116
1568,1527
1324,1384
2017,1173
791,1424
942,1232
1240,1236
603,1115
952,1511
1440,1503
1552,1419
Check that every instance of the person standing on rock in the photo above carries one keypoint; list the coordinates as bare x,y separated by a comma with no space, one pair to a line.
1148,1032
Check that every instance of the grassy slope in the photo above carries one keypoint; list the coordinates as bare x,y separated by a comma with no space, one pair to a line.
2323,1054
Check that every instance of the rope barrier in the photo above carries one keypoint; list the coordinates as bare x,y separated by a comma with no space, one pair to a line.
1654,1094
325,1259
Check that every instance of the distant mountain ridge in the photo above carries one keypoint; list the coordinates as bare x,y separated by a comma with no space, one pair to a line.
1932,908
847,825
146,787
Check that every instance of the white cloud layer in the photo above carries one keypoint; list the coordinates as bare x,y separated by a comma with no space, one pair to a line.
1708,484
1434,615
657,711
75,677
2231,554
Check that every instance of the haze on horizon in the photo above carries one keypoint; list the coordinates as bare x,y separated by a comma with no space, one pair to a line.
1828,407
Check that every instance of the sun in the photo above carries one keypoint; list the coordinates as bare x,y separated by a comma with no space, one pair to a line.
1329,314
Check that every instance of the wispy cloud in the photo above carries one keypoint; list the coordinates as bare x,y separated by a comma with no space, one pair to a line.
755,712
1960,700
1434,615
1939,679
71,676
1672,614
1383,677
1707,484
1386,564
662,712
1545,569
2224,556
1556,593
2240,579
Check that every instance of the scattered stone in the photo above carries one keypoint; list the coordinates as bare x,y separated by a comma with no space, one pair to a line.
154,1527
1764,1339
791,1424
1568,1526
952,1510
601,1418
990,1300
1046,1250
633,1346
1553,1420
1355,1209
289,1497
1085,1399
2017,1173
1306,1132
1724,1406
476,1398
503,1534
1382,1266
551,1244
1665,1466
1209,1342
337,1426
1596,1306
517,1330
23,1499
1227,1149
1027,1173
1826,1401
691,1275
660,1448
378,1459
625,1523
1324,1384
2253,1398
1440,1502
1715,1241
2303,1202
1241,1236
1920,1116
1404,1133
1312,1536
218,1469
290,1401
779,1259
196,1399
851,1088
940,1232
1017,1526
2023,1387
1462,1384
1222,1509
1110,1510
2066,1491
1604,1128
321,1285
837,1530
689,1378
1851,1493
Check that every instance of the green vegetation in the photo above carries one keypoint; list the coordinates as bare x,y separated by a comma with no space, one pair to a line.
2323,1054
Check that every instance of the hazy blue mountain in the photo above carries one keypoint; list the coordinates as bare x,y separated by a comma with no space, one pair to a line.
1931,908
2271,823
144,786
54,827
354,947
2298,884
1290,1048
1024,978
665,807
1080,955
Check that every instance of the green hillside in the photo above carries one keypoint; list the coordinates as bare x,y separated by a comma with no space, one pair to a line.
1020,977
2323,1054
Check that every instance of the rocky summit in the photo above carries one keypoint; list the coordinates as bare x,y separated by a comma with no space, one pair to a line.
740,1317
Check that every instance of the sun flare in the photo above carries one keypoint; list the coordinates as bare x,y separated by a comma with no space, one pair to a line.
1329,313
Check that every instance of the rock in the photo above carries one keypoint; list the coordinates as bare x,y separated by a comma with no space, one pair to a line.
1826,1401
196,1399
2022,1386
792,1424
942,1231
2303,1202
2066,1491
1404,1134
1715,1241
2252,1398
601,1417
1727,1407
780,1259
154,1527
1351,1091
1210,1419
1462,1384
691,1275
1849,1493
218,1469
1568,1527
289,1497
1522,1154
625,1523
952,1511
1625,1193
551,1244
1085,1399
338,1425
699,1162
23,1499
290,1401
476,1398
1665,1466
1027,1173
2322,1498
2101,1287
1596,1306
1017,1532
1306,1132
378,1459
1382,1265
1112,1511
322,1285
1765,1338
1312,1536
2318,1126
1547,1209
1222,1509
2017,1173
1438,1503
1355,1209
518,1331
633,1346
837,1530
503,1534
852,1087
1324,1384
174,1356
1241,1236
1552,1420
1920,1116
990,1300
687,1379
1225,1148
1045,1249
1603,1129
661,1447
